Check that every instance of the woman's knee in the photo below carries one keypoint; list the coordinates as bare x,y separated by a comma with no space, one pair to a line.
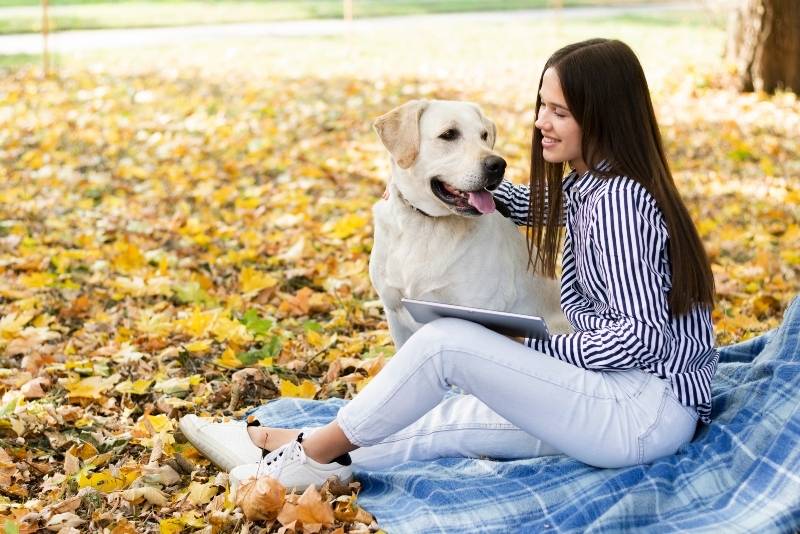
437,333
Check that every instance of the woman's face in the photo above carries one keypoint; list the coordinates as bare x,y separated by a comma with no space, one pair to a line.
561,135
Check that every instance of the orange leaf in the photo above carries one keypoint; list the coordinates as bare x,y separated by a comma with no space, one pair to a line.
311,509
261,498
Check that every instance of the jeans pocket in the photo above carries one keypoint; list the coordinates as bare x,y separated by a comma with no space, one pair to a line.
630,384
673,427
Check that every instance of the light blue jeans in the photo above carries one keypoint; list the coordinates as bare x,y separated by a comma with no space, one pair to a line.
518,403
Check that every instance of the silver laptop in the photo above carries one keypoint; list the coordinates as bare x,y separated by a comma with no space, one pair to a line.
506,323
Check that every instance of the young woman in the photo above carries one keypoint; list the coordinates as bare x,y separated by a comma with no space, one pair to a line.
626,388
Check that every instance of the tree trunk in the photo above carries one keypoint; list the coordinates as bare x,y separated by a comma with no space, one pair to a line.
764,45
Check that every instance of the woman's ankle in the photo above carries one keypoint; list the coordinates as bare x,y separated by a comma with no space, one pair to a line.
328,444
269,438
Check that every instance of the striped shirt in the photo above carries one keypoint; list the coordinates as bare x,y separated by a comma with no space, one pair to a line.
615,288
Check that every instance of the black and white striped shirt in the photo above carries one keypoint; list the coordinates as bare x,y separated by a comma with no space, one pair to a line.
615,288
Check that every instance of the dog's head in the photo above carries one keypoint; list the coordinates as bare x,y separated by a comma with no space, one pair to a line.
442,156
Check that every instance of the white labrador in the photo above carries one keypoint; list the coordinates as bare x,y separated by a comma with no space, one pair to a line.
438,236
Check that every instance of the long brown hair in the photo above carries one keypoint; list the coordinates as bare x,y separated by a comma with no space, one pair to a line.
607,94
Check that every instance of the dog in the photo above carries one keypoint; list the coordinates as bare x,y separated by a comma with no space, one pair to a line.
438,236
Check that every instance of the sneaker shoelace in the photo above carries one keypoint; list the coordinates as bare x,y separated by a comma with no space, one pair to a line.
275,461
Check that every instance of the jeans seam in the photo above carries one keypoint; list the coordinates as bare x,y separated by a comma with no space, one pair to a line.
641,439
683,407
347,432
643,385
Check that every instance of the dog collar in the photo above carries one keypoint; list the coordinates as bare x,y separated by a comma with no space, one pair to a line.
409,204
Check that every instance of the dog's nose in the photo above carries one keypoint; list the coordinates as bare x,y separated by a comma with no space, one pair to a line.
494,167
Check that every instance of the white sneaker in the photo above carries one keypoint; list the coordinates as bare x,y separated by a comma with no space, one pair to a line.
290,466
225,444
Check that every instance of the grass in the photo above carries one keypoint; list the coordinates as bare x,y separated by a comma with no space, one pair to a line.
19,60
24,16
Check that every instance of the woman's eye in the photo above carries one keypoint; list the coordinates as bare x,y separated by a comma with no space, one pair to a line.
449,135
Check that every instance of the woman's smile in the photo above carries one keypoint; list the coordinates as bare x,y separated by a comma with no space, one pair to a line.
549,142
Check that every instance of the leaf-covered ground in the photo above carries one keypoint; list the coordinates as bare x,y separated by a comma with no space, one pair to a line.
188,230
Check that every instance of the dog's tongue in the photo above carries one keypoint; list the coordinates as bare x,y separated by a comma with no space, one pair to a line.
483,201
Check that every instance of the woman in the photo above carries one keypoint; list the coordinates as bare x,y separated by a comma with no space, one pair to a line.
629,385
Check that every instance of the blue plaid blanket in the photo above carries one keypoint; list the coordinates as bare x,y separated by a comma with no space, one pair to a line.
739,474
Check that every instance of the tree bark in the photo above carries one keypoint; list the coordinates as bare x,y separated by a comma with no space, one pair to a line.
764,45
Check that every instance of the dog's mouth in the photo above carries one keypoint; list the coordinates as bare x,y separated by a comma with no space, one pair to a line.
464,202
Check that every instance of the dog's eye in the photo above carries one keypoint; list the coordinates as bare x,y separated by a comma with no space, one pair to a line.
485,136
449,135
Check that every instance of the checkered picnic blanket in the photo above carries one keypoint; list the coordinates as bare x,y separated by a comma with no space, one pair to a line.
739,474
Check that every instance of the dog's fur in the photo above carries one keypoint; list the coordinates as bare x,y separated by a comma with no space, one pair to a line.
428,249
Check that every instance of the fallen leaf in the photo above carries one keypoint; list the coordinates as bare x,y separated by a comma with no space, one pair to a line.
310,509
260,498
148,493
306,390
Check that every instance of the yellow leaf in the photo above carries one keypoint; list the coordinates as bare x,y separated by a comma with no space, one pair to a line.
128,257
306,390
11,324
37,280
315,339
225,329
228,359
252,280
792,257
201,493
150,424
198,347
140,387
105,481
346,226
198,322
91,387
177,385
173,525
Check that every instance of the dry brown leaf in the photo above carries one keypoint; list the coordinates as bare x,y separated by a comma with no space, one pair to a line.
62,521
261,498
71,464
7,468
310,509
160,474
148,493
33,389
345,509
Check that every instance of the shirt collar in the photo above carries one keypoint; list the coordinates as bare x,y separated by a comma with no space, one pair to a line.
581,184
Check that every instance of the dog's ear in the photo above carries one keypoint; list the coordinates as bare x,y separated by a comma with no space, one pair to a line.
399,131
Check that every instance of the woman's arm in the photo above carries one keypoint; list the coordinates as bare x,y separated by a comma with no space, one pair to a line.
515,198
627,237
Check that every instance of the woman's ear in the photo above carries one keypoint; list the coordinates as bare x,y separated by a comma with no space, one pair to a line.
399,131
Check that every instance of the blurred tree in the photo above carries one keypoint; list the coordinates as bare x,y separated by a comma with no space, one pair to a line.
764,45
